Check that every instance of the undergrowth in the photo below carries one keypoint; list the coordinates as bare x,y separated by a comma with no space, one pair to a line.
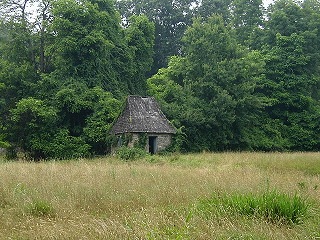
130,154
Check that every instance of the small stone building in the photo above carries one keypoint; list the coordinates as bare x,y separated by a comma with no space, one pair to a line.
143,123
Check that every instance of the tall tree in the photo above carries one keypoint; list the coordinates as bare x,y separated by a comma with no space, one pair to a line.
206,8
18,75
292,76
285,17
44,38
88,43
16,10
219,79
64,63
290,85
248,21
170,18
140,40
311,18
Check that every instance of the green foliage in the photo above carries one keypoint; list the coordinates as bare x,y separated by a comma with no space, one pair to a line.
218,7
142,140
65,146
78,130
91,47
272,206
227,97
32,123
232,79
170,19
81,48
177,141
289,84
3,143
105,110
130,153
210,90
17,80
248,20
140,39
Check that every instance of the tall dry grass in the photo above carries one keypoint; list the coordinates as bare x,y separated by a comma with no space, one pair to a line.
154,198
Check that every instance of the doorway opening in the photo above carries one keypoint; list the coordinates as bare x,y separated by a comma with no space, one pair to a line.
152,144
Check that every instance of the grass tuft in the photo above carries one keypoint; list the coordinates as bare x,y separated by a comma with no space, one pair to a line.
40,208
272,206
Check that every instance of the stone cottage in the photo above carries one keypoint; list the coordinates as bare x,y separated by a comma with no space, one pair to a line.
143,123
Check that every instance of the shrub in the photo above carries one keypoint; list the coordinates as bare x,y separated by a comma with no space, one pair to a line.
126,153
65,146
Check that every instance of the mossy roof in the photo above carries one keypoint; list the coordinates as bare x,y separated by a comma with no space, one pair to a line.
142,115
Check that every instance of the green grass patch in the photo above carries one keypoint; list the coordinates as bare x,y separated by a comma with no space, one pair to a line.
272,206
40,208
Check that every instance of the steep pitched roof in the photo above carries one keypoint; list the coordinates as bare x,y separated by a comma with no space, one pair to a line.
142,115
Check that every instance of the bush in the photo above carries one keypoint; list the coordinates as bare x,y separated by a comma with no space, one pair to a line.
127,154
65,146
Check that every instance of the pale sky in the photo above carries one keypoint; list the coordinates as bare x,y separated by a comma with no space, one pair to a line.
267,2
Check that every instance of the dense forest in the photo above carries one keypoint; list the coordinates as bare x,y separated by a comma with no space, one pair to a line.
229,74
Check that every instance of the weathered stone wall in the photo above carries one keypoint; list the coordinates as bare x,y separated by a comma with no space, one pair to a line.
135,138
163,141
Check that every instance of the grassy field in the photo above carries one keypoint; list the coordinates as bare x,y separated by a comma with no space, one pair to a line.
194,196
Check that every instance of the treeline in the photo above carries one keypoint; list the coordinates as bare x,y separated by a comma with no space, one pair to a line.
230,74
64,72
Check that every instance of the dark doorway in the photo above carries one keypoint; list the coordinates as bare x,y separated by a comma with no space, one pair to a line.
152,144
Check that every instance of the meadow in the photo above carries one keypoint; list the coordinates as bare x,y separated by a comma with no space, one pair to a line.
192,196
